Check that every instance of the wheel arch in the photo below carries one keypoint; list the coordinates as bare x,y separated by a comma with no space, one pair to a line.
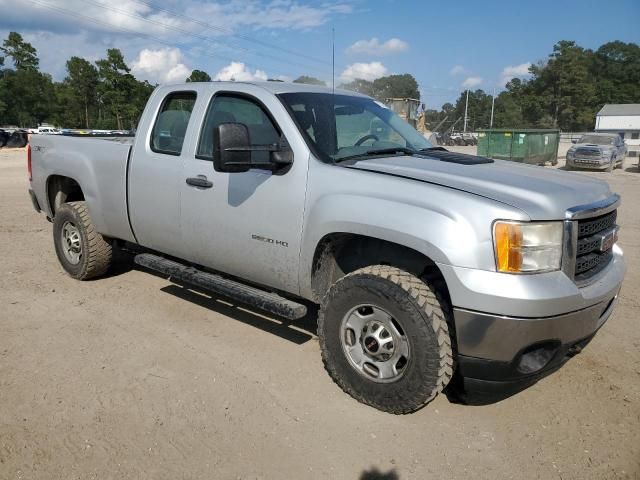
340,253
62,189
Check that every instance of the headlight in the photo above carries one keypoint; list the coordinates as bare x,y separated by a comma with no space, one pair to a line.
527,247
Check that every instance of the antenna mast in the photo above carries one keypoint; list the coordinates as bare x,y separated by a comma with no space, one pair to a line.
333,60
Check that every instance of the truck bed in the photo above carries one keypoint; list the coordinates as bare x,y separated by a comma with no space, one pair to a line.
98,164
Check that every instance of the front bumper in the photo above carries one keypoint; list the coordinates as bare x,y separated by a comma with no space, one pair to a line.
511,330
588,164
503,355
485,381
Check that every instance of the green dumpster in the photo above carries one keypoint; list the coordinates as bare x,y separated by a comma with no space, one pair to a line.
523,145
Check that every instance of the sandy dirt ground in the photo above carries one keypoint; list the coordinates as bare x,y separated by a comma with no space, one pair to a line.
133,377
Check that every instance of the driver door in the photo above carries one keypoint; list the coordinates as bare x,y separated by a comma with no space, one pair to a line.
247,224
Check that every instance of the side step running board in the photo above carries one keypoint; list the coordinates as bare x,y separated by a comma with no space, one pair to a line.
267,301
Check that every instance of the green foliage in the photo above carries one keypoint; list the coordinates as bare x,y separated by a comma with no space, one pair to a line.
198,76
565,91
22,53
392,86
361,86
310,80
27,96
82,85
104,95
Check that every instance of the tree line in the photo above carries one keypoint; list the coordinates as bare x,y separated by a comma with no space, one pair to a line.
101,95
564,91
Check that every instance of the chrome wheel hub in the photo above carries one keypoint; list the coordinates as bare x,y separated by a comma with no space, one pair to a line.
374,343
71,243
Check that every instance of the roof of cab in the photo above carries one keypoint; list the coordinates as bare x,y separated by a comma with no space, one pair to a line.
275,87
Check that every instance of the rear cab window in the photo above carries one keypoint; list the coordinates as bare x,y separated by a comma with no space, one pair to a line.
171,123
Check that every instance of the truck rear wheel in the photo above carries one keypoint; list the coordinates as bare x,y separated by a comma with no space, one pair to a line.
385,340
82,251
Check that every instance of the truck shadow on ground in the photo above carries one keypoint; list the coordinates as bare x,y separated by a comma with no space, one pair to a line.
301,331
296,331
375,474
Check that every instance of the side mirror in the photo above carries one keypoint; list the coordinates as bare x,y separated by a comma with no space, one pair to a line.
234,150
233,155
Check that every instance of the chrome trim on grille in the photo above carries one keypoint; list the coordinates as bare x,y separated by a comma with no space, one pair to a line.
593,209
570,239
569,248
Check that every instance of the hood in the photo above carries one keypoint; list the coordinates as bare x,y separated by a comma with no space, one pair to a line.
593,146
542,193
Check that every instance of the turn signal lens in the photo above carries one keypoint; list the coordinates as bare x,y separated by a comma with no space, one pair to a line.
508,239
527,247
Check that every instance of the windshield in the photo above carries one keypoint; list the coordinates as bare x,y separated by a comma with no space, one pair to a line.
340,126
596,139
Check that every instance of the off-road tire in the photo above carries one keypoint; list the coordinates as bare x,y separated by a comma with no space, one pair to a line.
96,251
420,309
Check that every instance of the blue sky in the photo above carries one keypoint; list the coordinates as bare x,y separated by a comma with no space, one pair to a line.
447,46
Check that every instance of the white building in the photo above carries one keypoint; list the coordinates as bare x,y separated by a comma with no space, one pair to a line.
623,119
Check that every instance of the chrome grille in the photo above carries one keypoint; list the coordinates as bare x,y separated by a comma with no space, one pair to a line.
587,153
594,225
590,257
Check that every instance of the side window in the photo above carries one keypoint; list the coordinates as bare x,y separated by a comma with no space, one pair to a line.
237,109
306,118
171,124
635,136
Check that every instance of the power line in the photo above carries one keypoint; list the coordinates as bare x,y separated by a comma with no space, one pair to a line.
184,32
229,32
127,31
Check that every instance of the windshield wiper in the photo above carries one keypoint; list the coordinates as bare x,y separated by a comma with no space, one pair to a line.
379,151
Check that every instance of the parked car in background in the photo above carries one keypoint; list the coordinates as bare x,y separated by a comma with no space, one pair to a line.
4,136
48,131
598,151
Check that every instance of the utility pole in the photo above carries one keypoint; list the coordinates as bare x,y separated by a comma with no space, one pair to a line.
493,103
466,106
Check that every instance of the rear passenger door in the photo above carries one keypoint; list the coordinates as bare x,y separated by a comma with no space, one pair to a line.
156,175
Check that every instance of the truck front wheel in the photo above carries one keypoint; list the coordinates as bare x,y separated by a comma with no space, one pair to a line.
82,251
385,340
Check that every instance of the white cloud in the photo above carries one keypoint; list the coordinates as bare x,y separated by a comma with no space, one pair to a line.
365,71
285,14
239,72
457,70
135,16
163,65
471,82
512,71
375,47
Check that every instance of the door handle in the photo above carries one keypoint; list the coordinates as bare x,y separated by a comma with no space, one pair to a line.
200,181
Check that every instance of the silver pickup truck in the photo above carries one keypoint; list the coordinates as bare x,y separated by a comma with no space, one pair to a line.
599,151
429,266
